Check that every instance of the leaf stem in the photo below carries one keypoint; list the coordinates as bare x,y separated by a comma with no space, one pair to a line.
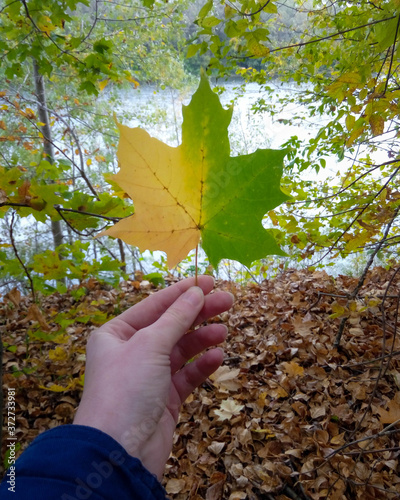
195,275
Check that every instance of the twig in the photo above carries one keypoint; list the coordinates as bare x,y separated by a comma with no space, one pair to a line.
195,276
302,44
61,209
392,55
375,360
79,233
364,274
290,493
18,257
358,216
251,14
94,23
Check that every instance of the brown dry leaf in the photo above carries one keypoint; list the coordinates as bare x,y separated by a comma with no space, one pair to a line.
390,416
226,378
237,495
13,295
228,408
34,314
339,439
216,447
302,327
215,491
293,369
279,392
174,486
277,424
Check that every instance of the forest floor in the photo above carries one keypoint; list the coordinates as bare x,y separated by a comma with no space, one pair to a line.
289,415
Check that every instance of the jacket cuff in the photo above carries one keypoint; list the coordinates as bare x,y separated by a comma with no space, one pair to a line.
76,462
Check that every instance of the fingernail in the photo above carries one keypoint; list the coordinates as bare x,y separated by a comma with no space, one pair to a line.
194,296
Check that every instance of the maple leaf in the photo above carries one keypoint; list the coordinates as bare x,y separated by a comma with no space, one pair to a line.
226,378
392,415
229,408
197,190
293,369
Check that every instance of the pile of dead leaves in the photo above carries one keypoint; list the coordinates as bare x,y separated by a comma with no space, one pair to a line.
289,415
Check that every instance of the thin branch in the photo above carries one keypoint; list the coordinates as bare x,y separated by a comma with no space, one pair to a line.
8,5
251,14
19,258
302,44
107,249
364,274
342,190
81,160
61,209
30,18
47,35
392,55
88,234
94,23
358,216
81,169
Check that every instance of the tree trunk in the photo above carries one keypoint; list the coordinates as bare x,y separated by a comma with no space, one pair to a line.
122,254
47,140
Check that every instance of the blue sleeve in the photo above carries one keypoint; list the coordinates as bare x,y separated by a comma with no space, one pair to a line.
75,462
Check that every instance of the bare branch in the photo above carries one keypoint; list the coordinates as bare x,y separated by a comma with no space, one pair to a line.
391,57
338,33
18,257
251,14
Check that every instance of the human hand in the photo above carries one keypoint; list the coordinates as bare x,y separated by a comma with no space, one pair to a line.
136,373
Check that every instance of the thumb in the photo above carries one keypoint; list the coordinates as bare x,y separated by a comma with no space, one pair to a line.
178,318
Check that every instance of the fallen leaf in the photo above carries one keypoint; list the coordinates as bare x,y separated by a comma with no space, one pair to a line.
391,415
228,409
58,354
215,491
216,447
34,314
13,295
226,378
293,369
175,486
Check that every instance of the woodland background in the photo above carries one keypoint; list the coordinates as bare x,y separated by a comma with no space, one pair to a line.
318,360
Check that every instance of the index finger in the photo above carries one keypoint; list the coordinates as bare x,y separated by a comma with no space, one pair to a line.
151,308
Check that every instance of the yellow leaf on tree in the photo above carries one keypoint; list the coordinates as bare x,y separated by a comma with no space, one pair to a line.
103,84
132,80
358,241
377,124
